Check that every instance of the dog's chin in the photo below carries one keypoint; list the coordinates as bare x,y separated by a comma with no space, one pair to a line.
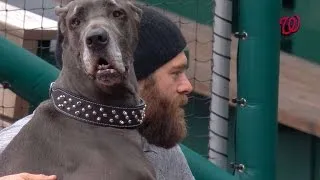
108,75
108,78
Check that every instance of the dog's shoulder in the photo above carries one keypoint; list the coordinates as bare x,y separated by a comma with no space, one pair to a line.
46,111
32,141
44,108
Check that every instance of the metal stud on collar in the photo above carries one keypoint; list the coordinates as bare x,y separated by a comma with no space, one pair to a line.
95,113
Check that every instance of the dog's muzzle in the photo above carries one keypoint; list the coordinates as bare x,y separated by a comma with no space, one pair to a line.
97,38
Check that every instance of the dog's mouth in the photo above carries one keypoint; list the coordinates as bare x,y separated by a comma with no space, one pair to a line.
108,74
103,65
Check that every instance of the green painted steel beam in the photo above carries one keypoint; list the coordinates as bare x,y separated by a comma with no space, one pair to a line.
258,79
199,11
28,75
202,169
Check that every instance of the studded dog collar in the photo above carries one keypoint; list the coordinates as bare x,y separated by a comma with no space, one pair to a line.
98,114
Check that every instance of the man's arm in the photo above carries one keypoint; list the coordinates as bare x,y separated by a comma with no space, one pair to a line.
7,134
27,176
168,163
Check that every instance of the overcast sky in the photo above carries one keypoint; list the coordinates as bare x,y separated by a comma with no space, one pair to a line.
41,7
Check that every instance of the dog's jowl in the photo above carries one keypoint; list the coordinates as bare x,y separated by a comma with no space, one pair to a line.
87,129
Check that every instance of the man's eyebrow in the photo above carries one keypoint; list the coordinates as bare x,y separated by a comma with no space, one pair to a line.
180,67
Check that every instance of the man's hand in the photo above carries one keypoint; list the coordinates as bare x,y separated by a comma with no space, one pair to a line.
27,176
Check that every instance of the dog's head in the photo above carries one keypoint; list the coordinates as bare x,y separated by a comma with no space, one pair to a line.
102,35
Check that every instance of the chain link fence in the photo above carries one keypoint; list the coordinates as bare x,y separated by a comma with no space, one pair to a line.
32,25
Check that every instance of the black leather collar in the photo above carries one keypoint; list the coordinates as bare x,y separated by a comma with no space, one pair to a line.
94,113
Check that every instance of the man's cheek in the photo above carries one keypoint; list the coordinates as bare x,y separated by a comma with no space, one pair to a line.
167,94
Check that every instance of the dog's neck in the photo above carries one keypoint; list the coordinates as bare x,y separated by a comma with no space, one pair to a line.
73,79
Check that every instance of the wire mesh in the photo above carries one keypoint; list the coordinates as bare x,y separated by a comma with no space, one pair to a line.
24,23
10,107
31,23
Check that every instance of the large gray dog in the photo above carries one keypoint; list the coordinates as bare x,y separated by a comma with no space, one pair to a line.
86,131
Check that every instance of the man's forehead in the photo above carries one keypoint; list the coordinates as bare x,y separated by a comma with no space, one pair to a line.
180,61
186,52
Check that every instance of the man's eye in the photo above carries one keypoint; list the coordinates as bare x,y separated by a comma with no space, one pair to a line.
176,74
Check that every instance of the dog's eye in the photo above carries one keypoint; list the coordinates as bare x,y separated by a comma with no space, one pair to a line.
75,22
118,13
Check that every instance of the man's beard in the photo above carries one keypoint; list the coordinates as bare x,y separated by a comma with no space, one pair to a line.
164,124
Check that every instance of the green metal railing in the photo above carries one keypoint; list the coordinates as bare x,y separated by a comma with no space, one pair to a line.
28,75
258,78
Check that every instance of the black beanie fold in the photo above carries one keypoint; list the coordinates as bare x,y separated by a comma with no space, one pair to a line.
160,40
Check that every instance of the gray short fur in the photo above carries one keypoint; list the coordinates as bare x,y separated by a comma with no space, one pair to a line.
168,163
52,143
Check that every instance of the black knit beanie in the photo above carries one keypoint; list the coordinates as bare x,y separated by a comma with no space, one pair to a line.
160,40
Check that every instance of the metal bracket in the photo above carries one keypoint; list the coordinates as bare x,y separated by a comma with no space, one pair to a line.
6,85
243,35
238,167
242,102
50,88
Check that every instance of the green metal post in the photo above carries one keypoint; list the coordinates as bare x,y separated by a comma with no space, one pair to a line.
202,169
258,78
29,75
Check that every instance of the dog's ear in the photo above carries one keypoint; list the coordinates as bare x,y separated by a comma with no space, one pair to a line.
135,24
61,12
62,2
136,10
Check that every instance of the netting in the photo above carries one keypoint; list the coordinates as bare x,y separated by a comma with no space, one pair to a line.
25,23
32,25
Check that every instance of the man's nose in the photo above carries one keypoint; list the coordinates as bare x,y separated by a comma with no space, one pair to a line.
97,38
184,86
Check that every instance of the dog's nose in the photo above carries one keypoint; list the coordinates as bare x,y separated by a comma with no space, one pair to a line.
97,37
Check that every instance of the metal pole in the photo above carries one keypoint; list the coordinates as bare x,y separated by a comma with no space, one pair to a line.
258,78
219,110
